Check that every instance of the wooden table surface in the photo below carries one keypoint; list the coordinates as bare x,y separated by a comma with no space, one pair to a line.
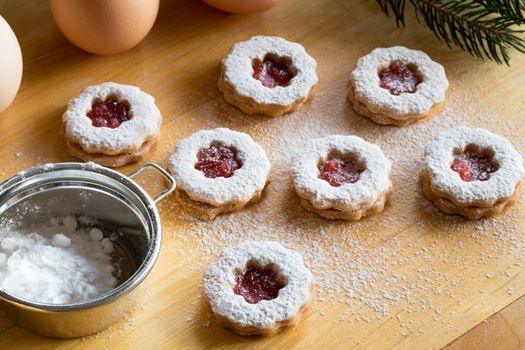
178,64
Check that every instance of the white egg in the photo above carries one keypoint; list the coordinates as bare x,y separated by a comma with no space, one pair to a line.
10,65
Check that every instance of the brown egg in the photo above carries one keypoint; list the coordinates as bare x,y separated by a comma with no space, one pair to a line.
10,65
242,6
105,26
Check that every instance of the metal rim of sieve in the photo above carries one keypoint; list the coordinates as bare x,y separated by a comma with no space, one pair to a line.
36,175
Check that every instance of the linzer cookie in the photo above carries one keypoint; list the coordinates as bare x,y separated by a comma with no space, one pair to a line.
258,287
267,75
342,177
397,86
218,171
472,172
111,124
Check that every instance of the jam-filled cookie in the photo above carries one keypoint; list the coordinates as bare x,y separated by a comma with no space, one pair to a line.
218,171
342,177
397,86
258,287
111,124
267,75
472,172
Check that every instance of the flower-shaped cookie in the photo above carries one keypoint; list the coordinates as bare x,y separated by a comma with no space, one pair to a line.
258,287
267,75
342,177
397,86
472,172
218,171
111,124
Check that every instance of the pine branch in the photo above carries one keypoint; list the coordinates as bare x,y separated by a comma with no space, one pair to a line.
484,28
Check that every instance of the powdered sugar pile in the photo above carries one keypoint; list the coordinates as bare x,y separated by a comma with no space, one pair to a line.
56,262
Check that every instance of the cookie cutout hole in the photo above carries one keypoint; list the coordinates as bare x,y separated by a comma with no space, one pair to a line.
341,168
218,160
273,70
399,78
474,163
256,282
110,112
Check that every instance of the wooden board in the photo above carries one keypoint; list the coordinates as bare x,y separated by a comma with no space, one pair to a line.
503,330
408,278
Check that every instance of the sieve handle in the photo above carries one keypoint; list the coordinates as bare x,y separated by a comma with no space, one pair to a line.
163,172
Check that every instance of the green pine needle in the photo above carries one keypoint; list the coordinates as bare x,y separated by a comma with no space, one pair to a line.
484,28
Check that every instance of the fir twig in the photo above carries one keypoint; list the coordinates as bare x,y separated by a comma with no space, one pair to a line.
484,28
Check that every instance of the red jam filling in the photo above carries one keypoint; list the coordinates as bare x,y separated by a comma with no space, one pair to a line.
398,78
257,284
109,114
472,166
217,161
338,172
271,73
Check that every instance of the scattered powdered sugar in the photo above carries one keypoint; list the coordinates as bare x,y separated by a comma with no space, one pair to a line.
238,70
55,262
220,276
411,258
501,184
429,92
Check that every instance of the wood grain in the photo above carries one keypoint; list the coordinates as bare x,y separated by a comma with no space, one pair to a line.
178,64
503,330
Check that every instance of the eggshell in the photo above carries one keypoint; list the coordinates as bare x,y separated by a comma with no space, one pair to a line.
10,65
105,26
242,6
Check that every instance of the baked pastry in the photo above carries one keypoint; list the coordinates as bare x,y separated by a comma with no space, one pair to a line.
258,287
472,172
111,124
218,171
397,86
267,75
342,177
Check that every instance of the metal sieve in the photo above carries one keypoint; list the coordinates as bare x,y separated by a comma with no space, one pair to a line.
118,205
